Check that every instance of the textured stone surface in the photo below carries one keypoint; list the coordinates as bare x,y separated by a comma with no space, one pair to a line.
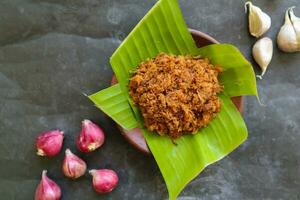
53,51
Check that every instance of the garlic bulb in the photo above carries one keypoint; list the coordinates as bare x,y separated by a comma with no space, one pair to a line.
262,52
296,24
259,22
288,38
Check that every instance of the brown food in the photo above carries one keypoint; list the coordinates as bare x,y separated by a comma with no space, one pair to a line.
176,94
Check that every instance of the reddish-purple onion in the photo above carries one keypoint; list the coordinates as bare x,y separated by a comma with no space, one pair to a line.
49,143
73,166
47,189
104,180
91,136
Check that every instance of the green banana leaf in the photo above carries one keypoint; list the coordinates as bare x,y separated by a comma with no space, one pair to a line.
181,163
238,77
163,30
113,102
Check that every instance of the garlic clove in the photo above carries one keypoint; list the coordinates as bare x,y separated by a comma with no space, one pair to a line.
287,37
296,24
104,180
47,189
262,52
259,21
91,136
49,143
73,166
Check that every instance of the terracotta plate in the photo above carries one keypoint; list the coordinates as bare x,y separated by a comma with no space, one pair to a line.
135,136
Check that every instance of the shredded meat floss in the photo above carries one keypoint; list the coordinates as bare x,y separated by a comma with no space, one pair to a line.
177,95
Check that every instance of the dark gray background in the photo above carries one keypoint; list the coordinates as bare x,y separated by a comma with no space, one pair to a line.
52,51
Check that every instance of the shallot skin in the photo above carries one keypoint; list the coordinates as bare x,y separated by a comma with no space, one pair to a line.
104,180
47,189
91,137
49,143
73,166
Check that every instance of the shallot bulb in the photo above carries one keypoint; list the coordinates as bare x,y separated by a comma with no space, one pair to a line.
91,136
73,166
49,143
104,180
47,189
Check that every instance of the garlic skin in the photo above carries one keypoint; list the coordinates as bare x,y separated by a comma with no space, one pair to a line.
259,21
47,189
91,137
73,166
49,143
104,180
262,52
296,24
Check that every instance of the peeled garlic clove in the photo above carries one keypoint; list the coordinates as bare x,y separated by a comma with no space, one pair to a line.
262,52
287,37
296,24
49,143
47,189
259,21
73,166
104,180
91,136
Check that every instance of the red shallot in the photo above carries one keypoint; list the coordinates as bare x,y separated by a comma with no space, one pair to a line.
49,143
73,166
104,180
47,189
91,136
